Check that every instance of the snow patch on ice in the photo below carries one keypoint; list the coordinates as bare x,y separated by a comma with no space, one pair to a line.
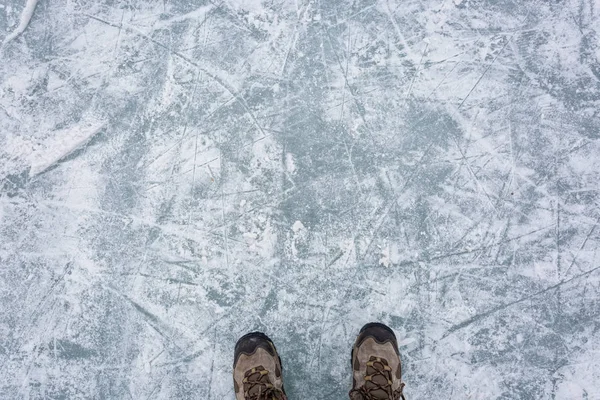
298,226
289,163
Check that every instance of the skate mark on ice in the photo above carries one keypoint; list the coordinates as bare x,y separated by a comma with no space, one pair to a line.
501,307
23,23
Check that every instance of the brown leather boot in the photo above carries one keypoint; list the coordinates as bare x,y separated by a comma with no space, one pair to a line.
376,366
257,369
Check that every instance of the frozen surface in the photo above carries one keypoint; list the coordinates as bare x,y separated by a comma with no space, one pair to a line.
174,174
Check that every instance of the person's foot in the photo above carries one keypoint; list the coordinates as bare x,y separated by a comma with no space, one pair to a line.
257,369
376,366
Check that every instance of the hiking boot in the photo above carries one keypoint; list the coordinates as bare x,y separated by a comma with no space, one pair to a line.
257,369
376,366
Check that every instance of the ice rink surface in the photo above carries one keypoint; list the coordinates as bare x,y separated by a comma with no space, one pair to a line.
174,174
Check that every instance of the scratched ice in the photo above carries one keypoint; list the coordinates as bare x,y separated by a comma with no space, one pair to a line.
175,173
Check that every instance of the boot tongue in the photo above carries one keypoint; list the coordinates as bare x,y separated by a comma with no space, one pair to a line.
375,395
356,396
260,382
256,389
378,380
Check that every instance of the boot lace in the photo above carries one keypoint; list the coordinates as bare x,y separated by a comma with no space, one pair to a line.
374,386
257,386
